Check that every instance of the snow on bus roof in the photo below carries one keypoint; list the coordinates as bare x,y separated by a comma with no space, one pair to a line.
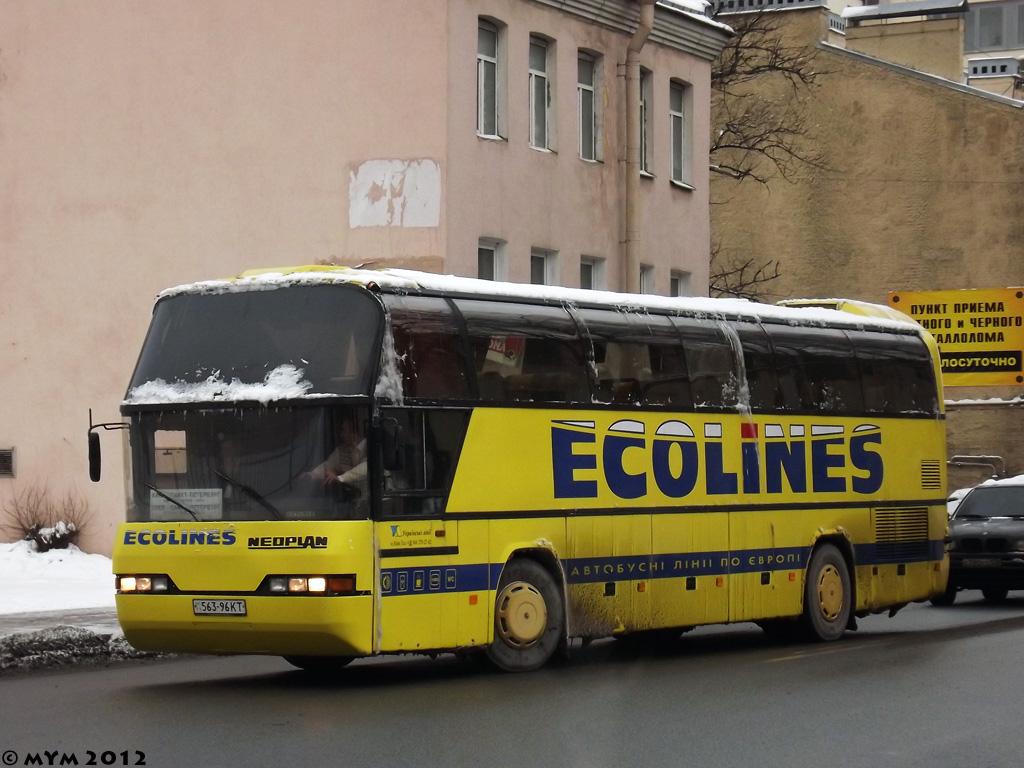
798,312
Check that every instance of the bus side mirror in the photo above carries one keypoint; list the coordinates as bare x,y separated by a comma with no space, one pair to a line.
391,445
95,464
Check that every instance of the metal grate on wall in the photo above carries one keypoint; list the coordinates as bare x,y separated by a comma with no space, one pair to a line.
6,462
931,474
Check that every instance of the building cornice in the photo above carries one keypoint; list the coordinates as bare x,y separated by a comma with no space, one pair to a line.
675,24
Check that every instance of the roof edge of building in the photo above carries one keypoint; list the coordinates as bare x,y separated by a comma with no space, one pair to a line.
915,73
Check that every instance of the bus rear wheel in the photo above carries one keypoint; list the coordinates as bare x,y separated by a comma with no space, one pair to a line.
828,595
321,665
529,618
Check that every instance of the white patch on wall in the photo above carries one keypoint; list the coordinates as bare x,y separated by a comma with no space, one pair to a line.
395,193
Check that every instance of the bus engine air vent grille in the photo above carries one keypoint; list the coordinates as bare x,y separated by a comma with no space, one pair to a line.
901,534
931,474
6,462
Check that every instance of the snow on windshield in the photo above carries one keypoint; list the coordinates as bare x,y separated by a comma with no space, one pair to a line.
284,382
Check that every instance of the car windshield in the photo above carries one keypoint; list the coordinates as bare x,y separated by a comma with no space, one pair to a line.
993,501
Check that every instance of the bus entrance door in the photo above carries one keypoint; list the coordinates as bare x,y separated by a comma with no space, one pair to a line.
418,585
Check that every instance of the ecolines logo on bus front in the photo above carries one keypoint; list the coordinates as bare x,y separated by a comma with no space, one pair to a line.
147,537
821,458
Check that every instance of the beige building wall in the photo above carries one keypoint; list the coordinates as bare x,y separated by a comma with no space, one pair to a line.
144,145
924,190
929,45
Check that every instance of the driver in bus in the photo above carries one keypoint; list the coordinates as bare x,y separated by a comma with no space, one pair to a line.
346,464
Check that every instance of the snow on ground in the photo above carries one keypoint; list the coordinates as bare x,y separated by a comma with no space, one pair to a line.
61,579
52,582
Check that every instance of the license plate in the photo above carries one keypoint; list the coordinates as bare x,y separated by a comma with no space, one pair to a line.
218,607
981,562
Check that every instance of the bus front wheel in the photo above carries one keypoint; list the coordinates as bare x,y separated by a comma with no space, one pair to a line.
529,618
828,597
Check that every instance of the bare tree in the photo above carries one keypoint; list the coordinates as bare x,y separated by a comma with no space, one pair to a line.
759,86
759,128
741,279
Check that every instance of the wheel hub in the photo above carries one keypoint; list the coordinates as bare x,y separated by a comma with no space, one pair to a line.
522,614
830,592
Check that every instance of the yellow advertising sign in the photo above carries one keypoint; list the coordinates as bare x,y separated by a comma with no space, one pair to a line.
980,332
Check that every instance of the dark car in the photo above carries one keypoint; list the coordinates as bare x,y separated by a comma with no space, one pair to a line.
987,549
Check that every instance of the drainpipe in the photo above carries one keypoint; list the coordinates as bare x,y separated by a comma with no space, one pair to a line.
633,139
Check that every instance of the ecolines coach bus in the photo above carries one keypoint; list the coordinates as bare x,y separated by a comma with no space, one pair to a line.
328,463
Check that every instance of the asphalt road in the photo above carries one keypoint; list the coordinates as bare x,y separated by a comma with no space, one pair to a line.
931,687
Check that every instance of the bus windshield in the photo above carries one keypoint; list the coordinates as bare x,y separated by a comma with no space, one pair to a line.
261,345
250,463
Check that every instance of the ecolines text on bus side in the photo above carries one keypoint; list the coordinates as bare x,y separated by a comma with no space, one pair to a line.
811,458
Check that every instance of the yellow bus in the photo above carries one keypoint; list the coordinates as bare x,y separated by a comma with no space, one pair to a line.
328,463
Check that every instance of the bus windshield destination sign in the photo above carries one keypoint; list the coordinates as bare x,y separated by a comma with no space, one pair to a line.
980,332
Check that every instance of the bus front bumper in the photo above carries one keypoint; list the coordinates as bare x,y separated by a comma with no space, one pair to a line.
274,625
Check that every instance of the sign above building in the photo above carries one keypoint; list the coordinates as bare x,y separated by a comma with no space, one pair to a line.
980,332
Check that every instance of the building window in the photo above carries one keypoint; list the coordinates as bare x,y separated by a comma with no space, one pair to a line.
990,27
489,80
679,284
541,71
646,99
592,273
646,278
490,259
543,267
679,112
589,105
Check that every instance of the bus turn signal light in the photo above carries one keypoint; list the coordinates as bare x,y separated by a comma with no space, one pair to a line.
314,585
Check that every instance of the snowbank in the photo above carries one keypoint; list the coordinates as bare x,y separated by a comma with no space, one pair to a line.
61,579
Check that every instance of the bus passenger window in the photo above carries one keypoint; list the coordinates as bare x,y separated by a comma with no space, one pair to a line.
638,358
759,366
531,356
428,347
430,443
817,369
896,372
711,363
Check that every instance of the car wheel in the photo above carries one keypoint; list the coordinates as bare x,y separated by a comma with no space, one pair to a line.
995,594
529,618
827,595
948,597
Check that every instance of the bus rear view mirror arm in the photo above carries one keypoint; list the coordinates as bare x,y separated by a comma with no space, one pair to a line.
95,459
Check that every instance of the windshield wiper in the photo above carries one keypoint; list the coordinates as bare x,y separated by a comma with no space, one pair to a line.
173,501
251,493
